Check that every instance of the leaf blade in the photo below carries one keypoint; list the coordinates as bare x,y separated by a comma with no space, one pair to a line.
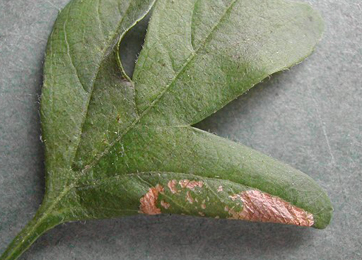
244,45
70,81
100,128
193,151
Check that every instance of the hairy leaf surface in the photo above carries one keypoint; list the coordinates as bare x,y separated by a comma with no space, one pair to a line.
117,146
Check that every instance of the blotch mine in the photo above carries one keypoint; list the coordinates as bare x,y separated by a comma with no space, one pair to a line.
165,204
190,184
263,207
172,186
189,197
149,200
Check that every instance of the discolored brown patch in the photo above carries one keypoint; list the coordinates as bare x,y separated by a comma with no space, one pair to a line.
233,214
190,184
172,186
165,204
149,200
235,197
189,197
263,207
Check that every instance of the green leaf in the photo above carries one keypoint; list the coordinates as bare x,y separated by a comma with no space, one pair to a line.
117,146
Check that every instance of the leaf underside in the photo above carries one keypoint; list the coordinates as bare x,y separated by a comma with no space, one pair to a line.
117,146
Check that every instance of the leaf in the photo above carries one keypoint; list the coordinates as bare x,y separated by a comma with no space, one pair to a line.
116,146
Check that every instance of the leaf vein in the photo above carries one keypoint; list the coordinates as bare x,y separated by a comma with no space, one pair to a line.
69,55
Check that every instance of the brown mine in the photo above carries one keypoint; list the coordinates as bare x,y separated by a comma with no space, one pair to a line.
263,207
172,186
165,204
189,197
148,201
190,184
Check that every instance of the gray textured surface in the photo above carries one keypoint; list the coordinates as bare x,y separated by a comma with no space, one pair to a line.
309,117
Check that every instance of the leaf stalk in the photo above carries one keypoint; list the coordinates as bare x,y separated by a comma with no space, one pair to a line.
42,222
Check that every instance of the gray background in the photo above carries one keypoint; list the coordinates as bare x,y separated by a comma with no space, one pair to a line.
309,117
